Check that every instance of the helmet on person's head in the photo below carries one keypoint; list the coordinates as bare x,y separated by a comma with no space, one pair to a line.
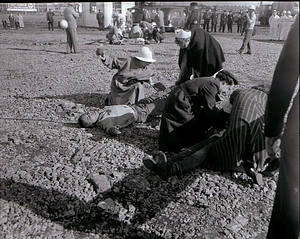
145,54
251,7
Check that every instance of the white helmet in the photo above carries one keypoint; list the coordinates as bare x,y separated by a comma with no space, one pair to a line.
251,7
145,54
63,24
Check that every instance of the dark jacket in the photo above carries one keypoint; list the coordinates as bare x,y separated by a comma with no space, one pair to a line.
204,55
49,16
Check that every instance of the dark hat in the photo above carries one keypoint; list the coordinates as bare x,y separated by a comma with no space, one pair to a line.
193,4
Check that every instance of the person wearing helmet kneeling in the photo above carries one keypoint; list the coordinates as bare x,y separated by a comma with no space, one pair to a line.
127,84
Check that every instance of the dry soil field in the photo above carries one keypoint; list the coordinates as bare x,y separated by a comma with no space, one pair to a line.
60,181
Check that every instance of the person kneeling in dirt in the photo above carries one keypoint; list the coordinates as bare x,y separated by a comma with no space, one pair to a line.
115,117
156,33
242,144
127,84
115,34
190,111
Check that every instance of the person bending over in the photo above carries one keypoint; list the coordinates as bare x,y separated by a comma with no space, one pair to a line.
190,110
200,54
242,143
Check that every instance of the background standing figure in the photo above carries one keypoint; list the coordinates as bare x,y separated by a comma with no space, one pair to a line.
283,101
129,19
206,18
244,22
273,22
223,21
239,22
159,19
11,19
214,20
50,19
100,19
230,21
192,20
251,19
20,20
70,16
114,17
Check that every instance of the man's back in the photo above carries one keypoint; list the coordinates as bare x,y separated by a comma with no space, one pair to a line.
70,16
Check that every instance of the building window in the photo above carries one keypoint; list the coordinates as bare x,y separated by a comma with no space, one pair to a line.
117,7
93,7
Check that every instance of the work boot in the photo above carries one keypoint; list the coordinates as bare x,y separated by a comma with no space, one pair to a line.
161,166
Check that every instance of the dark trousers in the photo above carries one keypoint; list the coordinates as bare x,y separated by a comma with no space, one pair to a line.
246,41
222,27
206,26
50,25
239,28
213,27
101,26
229,27
72,40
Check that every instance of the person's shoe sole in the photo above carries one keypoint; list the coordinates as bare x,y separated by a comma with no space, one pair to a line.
148,163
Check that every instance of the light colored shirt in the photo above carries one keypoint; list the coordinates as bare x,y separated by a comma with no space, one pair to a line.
252,21
116,115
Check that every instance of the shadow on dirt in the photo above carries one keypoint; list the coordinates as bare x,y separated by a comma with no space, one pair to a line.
88,99
139,195
43,50
144,203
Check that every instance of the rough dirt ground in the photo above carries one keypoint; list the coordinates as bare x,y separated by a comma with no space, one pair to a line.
47,160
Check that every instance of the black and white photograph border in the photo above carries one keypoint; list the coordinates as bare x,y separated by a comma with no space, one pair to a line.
59,180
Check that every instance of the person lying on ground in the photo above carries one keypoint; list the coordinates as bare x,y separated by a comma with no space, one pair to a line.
115,117
242,143
200,54
127,84
190,110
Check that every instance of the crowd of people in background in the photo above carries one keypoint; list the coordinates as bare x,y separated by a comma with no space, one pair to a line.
13,22
143,30
280,25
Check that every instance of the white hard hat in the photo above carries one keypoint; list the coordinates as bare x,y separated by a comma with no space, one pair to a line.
251,7
63,24
182,33
145,54
154,24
